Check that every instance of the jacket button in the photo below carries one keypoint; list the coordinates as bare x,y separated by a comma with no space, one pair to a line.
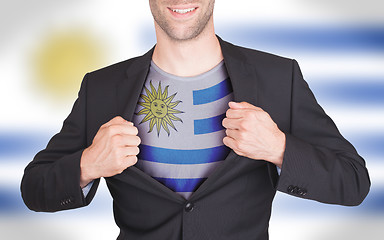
302,192
66,201
189,207
291,189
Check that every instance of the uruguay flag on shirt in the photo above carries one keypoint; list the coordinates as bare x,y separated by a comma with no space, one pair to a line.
180,125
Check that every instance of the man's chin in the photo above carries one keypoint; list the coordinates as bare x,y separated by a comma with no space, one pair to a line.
185,36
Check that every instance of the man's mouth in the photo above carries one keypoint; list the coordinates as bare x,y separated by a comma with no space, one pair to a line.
183,11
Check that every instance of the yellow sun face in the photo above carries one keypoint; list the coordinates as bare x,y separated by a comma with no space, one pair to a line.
159,109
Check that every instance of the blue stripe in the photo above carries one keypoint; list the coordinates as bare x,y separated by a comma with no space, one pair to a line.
208,125
375,200
366,91
176,156
10,200
368,146
181,184
320,38
19,144
213,93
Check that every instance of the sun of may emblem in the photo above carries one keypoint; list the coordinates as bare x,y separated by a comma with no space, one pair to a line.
159,109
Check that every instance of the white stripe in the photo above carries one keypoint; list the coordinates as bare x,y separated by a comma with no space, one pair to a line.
186,195
11,171
180,141
298,12
212,109
330,67
164,170
356,120
375,170
210,140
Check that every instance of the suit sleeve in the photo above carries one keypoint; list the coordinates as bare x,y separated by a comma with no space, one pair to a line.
51,182
319,163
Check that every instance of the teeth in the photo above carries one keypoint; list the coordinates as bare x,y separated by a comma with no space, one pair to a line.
182,11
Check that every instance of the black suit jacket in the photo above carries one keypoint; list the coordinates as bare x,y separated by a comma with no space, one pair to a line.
235,201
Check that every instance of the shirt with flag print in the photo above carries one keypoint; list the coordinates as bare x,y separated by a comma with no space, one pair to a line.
180,125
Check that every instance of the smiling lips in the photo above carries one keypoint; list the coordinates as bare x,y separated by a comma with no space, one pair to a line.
183,11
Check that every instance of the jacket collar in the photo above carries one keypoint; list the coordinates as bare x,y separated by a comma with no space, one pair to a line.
129,88
242,74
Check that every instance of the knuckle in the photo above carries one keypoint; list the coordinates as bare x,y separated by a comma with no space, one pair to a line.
116,154
268,117
132,130
264,116
239,153
120,165
138,139
103,126
137,150
116,139
134,141
243,124
113,129
118,119
132,151
243,135
240,147
224,122
132,160
228,113
135,130
121,168
225,141
237,146
250,114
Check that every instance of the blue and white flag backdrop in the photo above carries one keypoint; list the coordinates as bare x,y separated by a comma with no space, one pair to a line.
47,46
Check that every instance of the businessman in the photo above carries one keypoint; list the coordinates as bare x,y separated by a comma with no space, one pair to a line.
194,138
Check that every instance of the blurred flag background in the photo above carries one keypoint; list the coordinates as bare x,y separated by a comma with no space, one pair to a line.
46,47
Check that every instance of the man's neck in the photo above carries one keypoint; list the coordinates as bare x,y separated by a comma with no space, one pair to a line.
188,58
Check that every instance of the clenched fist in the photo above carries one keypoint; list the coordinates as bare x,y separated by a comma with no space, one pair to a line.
113,149
252,133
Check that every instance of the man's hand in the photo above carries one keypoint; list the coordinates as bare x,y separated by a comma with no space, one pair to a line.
113,149
252,133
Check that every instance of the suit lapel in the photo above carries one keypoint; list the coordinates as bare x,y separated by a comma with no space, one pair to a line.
129,88
243,79
128,93
243,76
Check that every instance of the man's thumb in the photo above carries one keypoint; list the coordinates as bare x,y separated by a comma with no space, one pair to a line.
239,105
